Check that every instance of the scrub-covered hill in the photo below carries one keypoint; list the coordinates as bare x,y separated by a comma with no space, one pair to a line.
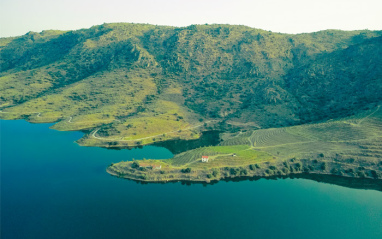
131,84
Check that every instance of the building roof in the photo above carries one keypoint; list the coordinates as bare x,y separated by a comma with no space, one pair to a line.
204,157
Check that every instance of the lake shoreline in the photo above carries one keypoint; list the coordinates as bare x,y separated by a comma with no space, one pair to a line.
344,181
344,174
205,137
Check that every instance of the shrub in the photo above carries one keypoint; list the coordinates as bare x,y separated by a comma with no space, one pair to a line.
215,172
243,172
186,170
285,170
350,170
272,167
323,166
334,171
374,174
135,164
361,174
351,160
298,166
233,171
112,143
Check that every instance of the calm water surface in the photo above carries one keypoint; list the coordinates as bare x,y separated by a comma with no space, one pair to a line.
53,188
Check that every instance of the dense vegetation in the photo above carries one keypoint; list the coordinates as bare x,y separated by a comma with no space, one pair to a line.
134,84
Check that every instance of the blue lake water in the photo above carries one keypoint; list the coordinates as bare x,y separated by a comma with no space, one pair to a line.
53,188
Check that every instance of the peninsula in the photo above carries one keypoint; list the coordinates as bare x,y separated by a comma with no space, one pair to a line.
349,147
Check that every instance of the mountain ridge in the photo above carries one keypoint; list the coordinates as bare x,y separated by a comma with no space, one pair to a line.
138,80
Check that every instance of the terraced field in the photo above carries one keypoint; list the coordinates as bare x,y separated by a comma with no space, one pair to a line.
370,150
350,136
278,136
355,136
240,139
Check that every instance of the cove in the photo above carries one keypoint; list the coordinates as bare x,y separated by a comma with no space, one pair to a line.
53,188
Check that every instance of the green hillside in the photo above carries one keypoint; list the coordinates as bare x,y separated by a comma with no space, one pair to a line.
132,84
352,76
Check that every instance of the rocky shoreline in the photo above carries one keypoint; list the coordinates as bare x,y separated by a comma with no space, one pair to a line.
303,168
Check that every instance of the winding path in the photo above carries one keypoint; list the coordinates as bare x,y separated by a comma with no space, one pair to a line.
367,116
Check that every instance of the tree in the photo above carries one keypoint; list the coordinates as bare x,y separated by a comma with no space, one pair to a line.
135,164
323,166
186,170
215,172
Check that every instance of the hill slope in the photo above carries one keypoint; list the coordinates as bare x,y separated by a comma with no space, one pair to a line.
129,84
339,82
